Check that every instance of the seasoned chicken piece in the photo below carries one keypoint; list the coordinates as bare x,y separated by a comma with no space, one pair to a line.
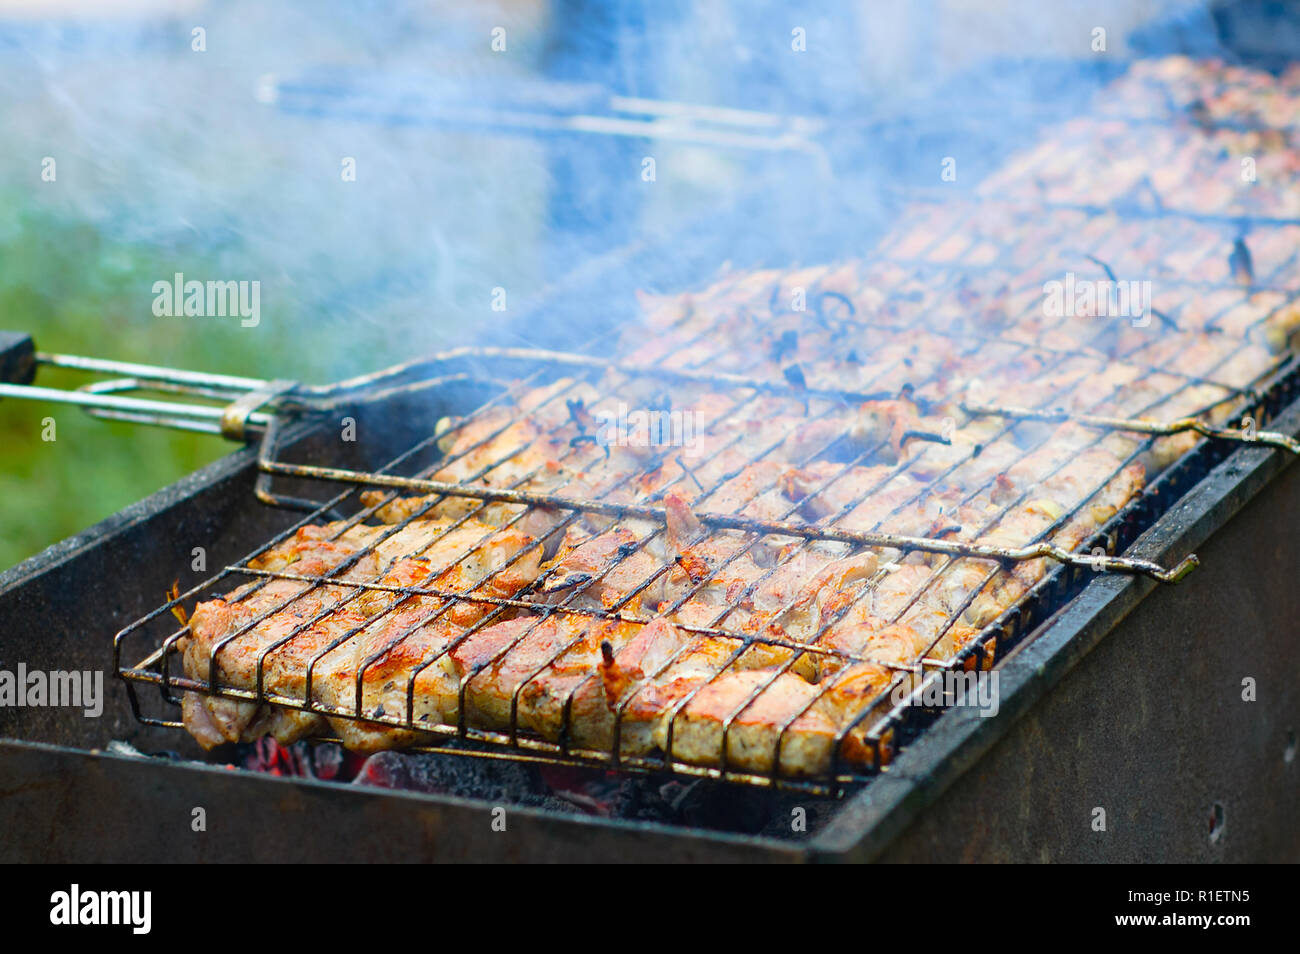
659,655
750,709
499,446
1083,479
985,461
499,661
498,565
709,579
691,667
288,605
1065,441
789,583
799,618
775,720
874,640
781,602
655,567
388,653
883,503
238,660
752,492
547,672
571,698
854,699
304,621
886,596
785,433
1008,586
1099,478
601,571
465,557
324,547
439,659
553,478
824,488
952,593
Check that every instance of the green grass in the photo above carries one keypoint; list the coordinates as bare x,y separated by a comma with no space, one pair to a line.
77,291
346,288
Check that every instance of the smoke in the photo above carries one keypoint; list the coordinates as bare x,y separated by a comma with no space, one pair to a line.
356,158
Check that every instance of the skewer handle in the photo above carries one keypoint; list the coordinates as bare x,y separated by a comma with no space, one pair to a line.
19,360
17,357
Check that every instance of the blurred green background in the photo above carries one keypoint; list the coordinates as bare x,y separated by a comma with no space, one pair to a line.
79,292
169,159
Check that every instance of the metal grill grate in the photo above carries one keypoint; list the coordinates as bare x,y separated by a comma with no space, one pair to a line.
157,668
853,401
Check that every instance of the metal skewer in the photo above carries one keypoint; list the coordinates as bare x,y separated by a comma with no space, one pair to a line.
1178,426
238,418
731,522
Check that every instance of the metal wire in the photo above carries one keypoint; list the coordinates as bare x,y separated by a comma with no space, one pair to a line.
743,641
708,358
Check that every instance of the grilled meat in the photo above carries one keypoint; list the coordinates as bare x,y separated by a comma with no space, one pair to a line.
760,652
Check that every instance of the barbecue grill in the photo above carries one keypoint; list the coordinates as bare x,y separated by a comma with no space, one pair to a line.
859,822
930,779
156,667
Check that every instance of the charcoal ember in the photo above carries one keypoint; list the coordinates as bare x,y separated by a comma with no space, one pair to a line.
673,793
328,761
452,775
565,789
556,789
591,791
780,823
385,770
725,807
269,756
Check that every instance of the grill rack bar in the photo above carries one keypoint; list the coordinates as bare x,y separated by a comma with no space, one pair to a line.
1003,633
237,419
693,771
732,522
1246,434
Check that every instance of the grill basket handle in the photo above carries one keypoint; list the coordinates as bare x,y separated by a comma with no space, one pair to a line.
17,357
